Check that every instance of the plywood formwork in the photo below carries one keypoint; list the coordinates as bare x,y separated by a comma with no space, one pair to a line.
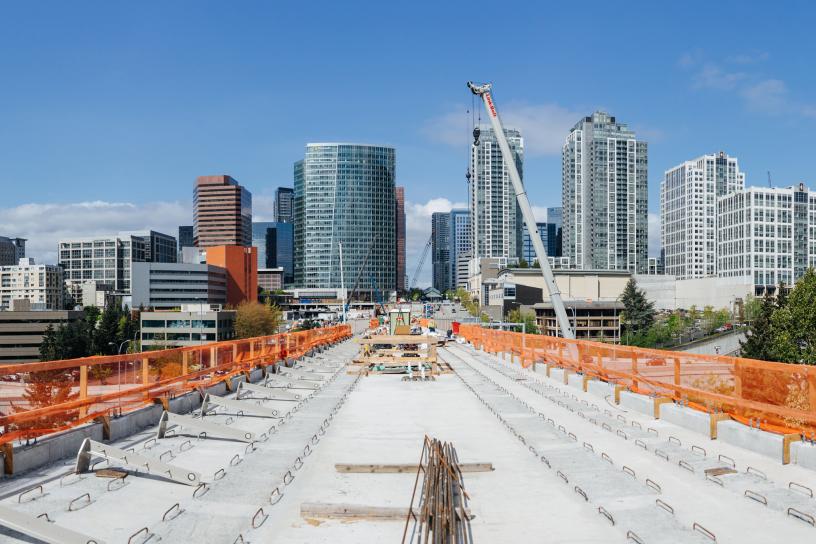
384,351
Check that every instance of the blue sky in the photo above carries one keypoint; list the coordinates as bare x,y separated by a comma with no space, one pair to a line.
109,110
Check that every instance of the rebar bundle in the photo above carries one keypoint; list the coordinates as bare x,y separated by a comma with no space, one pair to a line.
438,513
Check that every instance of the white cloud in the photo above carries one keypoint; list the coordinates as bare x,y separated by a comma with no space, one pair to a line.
263,208
758,93
44,225
543,126
418,231
654,235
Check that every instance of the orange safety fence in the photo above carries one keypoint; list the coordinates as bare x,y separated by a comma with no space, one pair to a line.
778,397
42,398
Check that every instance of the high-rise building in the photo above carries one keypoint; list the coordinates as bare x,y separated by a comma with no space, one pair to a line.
604,195
344,193
11,250
185,237
159,247
222,212
107,260
27,329
767,234
688,213
495,219
528,251
275,244
40,284
441,250
241,265
460,246
399,197
284,202
555,225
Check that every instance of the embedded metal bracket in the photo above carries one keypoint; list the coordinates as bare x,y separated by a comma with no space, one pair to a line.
91,448
238,406
41,529
169,419
301,374
286,383
267,392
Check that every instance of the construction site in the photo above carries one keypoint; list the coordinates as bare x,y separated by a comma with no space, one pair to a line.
401,433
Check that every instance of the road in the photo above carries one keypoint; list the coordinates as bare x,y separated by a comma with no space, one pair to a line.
728,344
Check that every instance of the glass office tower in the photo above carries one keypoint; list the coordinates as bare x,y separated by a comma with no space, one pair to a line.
345,193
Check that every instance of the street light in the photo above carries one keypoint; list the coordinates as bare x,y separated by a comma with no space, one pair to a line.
119,370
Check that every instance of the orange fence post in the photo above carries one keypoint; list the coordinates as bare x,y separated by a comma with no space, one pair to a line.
185,362
676,376
83,389
634,371
811,387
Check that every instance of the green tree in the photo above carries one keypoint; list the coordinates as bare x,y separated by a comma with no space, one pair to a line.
254,319
758,343
638,312
752,308
528,318
523,264
793,325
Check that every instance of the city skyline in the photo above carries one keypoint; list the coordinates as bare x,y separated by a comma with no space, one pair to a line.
146,146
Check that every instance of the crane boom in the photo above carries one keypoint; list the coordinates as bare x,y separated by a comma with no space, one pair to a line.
483,91
421,262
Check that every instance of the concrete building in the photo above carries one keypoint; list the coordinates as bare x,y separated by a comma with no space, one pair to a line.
495,218
241,266
345,193
172,285
192,326
688,212
21,332
40,284
604,195
222,212
107,260
655,266
270,279
441,250
11,250
284,205
399,198
527,249
768,234
461,245
597,321
185,239
669,293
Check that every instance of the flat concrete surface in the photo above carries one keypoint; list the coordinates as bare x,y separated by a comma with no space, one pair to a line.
566,463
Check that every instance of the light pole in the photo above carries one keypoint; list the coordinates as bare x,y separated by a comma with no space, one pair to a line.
119,370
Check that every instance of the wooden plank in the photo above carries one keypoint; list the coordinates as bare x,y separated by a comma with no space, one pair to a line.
409,468
400,339
402,360
323,510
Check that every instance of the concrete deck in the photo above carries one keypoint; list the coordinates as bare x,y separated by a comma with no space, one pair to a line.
567,463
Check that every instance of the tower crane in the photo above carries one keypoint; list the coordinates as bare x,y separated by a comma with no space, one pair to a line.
483,92
421,262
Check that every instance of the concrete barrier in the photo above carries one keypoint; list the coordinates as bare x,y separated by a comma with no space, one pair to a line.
638,403
576,381
600,389
775,446
803,454
688,418
557,374
53,448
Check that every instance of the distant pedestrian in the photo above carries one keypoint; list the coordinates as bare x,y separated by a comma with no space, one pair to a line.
716,350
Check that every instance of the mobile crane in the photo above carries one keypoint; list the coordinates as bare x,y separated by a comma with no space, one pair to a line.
483,92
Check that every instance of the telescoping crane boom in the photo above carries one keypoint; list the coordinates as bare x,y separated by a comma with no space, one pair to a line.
421,262
483,91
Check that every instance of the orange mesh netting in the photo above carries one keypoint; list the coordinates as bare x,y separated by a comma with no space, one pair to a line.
42,398
782,397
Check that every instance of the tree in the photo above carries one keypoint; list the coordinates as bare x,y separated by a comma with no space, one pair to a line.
528,318
758,343
638,312
793,325
752,308
254,319
523,264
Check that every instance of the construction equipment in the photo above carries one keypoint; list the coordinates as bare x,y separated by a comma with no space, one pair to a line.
359,274
421,262
483,91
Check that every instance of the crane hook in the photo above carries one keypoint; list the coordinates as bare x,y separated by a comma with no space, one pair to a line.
468,175
476,133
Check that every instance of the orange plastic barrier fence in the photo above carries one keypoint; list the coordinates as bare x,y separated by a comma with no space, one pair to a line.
42,398
780,397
